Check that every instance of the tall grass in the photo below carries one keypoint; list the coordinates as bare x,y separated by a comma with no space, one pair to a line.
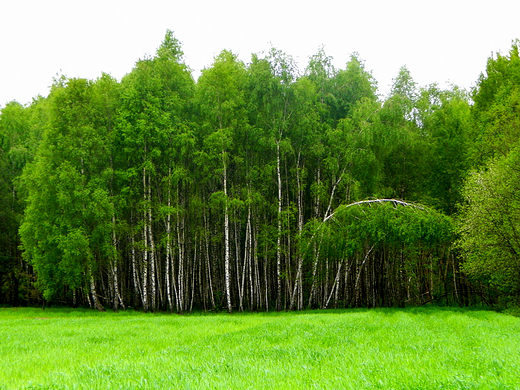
417,348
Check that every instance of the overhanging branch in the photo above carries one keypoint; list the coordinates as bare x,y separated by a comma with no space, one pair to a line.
394,201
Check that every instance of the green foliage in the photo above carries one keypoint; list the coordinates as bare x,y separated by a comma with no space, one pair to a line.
170,48
386,223
163,188
387,246
489,221
447,122
501,76
489,210
351,85
64,230
20,129
496,108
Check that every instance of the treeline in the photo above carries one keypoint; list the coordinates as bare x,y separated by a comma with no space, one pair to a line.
253,188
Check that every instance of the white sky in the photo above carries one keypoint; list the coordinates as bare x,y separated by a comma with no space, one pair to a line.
439,41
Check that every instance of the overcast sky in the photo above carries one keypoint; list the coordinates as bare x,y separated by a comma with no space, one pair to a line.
439,41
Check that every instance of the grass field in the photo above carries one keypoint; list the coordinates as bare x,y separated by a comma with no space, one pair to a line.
415,348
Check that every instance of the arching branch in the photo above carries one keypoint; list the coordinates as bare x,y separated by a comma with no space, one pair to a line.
394,201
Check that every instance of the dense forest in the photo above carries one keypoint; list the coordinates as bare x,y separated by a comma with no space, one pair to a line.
261,187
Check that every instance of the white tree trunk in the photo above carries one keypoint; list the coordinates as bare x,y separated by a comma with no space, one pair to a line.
208,263
298,278
135,272
93,291
168,247
226,240
153,279
180,276
145,247
117,295
279,233
335,285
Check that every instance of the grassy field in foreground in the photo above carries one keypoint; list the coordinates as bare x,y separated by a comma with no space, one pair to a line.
415,348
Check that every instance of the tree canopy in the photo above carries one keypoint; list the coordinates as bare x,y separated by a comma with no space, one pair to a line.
260,187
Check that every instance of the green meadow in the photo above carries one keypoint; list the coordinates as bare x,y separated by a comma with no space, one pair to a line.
414,348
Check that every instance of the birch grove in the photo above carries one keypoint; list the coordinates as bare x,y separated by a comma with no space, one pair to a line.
256,187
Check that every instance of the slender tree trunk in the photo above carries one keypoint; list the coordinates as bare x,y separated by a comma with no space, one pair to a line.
153,278
93,292
333,191
326,284
288,266
348,292
258,283
357,294
314,272
266,279
248,256
193,272
241,268
338,285
317,203
335,286
298,278
181,249
227,271
168,246
279,233
200,272
117,295
145,249
239,272
174,278
455,281
208,262
135,273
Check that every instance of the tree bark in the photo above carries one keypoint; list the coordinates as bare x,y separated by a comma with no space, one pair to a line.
153,278
298,277
227,271
181,265
279,233
208,262
335,286
117,295
93,291
145,246
168,247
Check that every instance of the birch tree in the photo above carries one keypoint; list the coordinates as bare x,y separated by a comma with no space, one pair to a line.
66,225
168,194
220,96
152,117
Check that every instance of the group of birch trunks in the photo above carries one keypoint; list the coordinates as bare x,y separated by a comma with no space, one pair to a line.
341,262
252,188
